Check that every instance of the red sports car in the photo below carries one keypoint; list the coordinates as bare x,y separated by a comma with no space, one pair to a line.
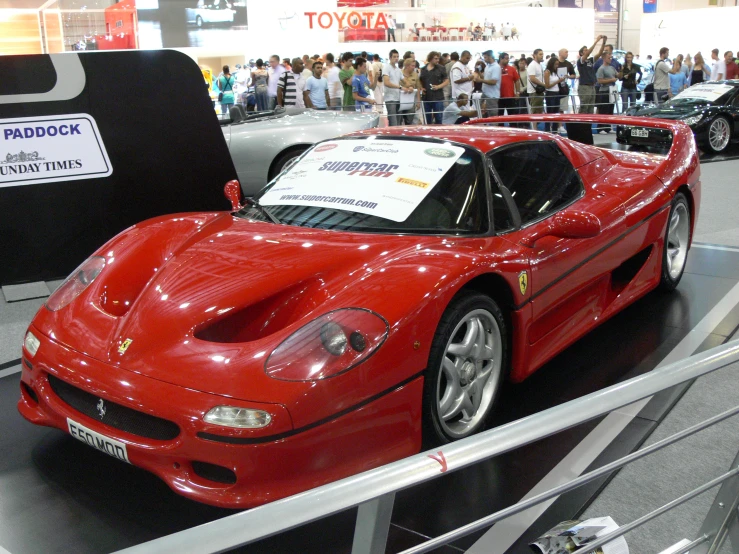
375,294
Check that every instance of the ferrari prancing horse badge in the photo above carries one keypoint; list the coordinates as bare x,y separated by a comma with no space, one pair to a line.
523,281
126,343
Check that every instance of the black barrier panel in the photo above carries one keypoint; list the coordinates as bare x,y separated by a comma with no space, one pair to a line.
163,141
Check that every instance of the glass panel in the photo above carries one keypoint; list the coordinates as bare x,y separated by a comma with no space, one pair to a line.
456,204
539,176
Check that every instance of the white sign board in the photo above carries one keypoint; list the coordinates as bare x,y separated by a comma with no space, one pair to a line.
386,178
709,93
52,148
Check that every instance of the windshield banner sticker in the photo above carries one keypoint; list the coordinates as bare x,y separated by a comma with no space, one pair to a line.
385,178
51,148
707,92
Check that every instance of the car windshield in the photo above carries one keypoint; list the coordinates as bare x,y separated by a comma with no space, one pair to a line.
702,94
378,184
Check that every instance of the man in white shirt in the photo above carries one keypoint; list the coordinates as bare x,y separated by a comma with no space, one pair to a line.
275,72
390,27
292,85
662,70
718,66
454,114
391,76
335,90
535,74
461,77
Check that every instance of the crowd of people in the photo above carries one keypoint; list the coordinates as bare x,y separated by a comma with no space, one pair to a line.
449,88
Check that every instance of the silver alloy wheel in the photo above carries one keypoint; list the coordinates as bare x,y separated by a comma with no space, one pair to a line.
677,240
719,134
470,374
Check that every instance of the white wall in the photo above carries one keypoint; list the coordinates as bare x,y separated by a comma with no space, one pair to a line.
689,31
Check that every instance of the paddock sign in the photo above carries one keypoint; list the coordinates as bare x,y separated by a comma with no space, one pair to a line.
53,148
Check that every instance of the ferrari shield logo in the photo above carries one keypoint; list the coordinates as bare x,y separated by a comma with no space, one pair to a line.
126,343
523,281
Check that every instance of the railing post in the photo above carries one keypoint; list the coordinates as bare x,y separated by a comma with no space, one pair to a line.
373,525
721,521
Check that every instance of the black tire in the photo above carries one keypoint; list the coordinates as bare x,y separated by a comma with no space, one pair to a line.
717,149
466,307
670,278
283,159
199,21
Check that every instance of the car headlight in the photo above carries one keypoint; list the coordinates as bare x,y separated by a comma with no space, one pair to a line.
76,283
240,418
693,119
327,346
31,343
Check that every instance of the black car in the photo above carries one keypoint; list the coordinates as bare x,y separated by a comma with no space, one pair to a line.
711,109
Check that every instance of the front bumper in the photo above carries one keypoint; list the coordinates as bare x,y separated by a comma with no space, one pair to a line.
266,468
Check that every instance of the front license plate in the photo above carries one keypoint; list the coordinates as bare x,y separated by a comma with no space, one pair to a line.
640,133
100,442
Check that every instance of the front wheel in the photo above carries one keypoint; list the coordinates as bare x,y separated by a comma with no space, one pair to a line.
284,159
677,240
199,21
719,135
467,365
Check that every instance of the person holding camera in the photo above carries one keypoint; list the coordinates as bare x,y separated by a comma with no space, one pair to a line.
586,68
536,86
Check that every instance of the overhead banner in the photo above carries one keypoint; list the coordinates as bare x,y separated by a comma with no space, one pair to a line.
388,178
650,6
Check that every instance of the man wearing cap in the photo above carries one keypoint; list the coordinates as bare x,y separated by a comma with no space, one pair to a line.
491,84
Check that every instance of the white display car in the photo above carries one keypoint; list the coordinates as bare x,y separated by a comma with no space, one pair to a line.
210,11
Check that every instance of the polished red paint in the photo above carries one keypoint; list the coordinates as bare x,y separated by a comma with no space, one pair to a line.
206,297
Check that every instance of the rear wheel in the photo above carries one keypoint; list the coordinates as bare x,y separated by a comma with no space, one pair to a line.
677,239
719,135
467,365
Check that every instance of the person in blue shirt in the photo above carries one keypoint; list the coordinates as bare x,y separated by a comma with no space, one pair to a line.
316,89
361,85
678,81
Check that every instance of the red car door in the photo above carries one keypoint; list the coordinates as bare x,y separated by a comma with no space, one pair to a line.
569,277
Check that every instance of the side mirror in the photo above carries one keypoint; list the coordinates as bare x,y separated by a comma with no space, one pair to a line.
232,192
567,225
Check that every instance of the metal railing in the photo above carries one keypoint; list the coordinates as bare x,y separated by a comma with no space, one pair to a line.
374,491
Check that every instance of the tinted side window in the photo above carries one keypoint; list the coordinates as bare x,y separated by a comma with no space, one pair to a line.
539,176
502,219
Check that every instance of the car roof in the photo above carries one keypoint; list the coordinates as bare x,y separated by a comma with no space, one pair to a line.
483,138
486,138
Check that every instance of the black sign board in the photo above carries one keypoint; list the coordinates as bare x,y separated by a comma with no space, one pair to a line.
146,133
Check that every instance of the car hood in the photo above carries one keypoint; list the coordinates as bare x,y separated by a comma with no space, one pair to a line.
671,112
197,302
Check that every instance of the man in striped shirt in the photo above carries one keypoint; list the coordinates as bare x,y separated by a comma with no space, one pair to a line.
291,86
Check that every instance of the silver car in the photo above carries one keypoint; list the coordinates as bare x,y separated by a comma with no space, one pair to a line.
263,143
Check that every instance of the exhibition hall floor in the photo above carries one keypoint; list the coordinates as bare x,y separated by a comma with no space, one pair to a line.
57,495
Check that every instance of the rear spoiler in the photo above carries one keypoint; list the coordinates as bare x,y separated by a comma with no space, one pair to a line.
683,152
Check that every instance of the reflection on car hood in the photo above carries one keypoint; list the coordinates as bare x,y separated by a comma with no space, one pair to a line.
265,275
670,112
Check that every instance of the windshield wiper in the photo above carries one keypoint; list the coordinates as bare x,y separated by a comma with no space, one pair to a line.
262,210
